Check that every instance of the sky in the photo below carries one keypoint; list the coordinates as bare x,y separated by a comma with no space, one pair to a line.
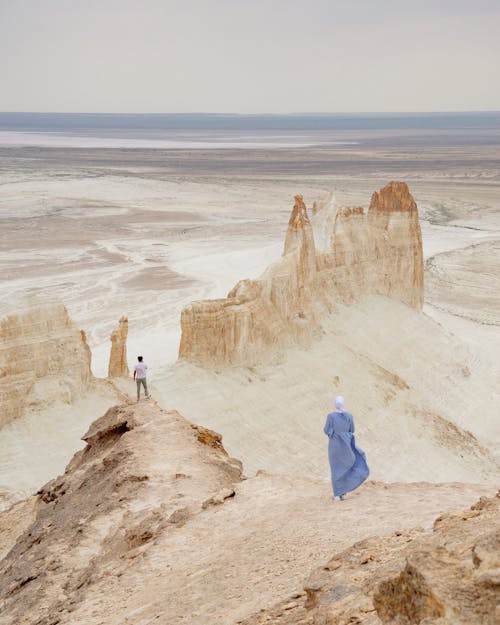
249,56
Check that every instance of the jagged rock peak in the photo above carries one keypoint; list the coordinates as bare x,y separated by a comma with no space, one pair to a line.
143,474
299,216
395,197
118,354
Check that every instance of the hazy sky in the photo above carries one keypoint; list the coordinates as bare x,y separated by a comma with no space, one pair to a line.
249,56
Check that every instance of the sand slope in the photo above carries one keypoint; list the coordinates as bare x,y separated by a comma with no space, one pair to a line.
423,402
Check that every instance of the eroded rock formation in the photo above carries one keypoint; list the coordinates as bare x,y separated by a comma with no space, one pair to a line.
43,357
375,253
448,576
118,366
120,493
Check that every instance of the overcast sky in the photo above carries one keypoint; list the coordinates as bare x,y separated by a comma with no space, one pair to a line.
249,56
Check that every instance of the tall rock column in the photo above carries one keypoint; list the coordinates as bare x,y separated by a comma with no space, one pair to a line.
118,355
393,219
291,290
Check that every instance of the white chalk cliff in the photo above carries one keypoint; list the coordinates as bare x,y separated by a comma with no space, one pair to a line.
43,357
379,252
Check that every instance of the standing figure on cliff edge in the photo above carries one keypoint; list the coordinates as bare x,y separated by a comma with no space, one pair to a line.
140,378
347,462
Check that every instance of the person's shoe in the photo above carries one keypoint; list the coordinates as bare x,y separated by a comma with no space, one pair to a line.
342,497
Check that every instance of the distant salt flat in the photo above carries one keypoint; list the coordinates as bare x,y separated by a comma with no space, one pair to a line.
53,140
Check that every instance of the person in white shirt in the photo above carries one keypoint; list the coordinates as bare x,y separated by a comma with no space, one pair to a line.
140,378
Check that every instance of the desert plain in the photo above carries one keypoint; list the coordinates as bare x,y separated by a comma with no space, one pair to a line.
129,229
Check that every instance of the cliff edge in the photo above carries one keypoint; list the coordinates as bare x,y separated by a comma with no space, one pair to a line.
153,522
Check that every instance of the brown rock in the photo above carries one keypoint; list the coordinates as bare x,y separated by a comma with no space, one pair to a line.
219,498
408,598
118,355
111,505
486,559
414,577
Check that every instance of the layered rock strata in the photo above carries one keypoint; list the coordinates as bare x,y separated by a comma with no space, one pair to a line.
375,253
44,357
118,366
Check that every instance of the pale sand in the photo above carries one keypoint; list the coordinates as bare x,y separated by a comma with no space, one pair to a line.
38,446
262,544
466,283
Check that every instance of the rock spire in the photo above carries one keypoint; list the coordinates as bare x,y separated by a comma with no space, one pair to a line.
118,354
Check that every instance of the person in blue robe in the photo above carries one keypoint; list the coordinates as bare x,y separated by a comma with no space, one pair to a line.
347,462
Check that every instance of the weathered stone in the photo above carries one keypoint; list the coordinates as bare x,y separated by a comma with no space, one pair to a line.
118,366
375,253
414,577
44,358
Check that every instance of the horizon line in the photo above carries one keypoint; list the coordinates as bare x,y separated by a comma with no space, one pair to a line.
227,114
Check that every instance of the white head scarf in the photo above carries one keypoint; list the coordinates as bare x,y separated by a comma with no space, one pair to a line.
339,403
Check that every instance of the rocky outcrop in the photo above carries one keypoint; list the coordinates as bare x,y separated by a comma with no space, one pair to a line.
117,496
43,357
448,576
375,253
118,366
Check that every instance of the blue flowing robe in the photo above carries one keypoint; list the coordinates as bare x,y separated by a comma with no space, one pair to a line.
347,462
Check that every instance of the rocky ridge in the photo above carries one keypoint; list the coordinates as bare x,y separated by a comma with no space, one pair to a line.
375,253
449,575
153,522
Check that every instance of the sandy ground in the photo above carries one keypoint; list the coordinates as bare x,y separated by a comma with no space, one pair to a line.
257,546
